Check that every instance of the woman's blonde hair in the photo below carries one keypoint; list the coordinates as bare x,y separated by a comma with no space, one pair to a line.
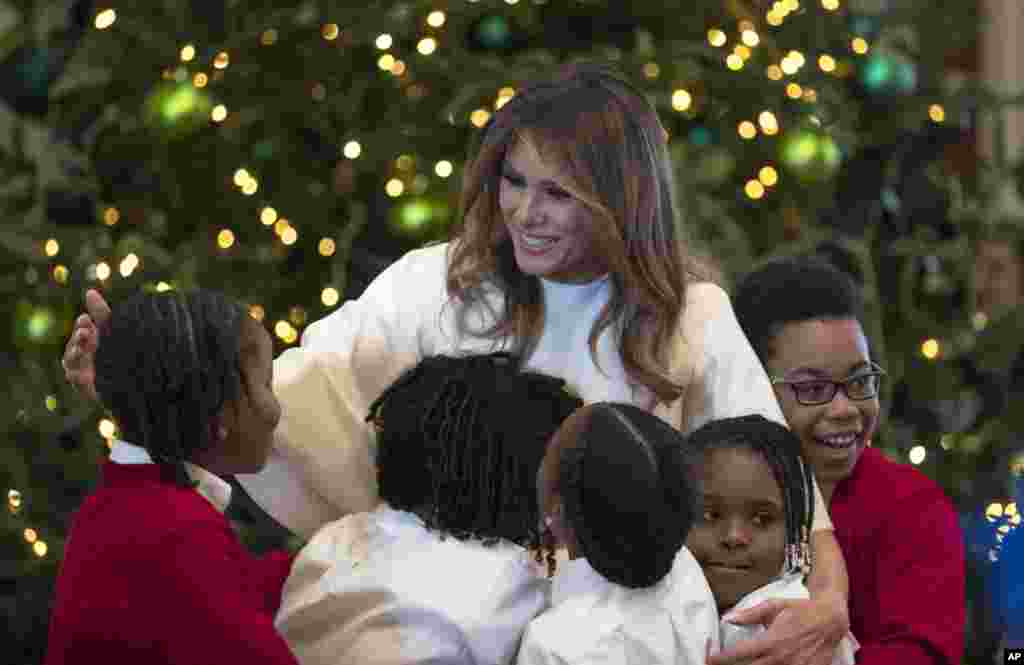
612,154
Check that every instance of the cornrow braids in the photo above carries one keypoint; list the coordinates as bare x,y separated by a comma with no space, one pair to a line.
628,493
168,364
459,442
780,448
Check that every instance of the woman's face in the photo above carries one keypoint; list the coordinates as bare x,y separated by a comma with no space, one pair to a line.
832,435
740,538
998,278
552,231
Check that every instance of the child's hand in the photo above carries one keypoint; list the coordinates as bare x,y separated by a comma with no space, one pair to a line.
81,347
799,631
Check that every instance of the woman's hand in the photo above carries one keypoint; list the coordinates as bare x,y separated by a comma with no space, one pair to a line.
81,347
800,632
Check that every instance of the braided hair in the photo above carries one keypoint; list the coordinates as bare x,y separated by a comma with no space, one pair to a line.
168,364
459,442
780,448
628,493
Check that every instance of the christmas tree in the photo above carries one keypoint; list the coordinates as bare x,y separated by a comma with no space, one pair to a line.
285,151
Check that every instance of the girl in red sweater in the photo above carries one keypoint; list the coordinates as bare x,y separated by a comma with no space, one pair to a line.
153,572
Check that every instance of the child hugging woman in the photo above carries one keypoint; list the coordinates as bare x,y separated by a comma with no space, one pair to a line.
441,570
756,510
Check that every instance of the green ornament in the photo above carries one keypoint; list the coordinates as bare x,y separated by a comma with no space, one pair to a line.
810,154
177,110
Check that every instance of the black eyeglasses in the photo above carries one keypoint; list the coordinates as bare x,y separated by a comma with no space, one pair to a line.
815,392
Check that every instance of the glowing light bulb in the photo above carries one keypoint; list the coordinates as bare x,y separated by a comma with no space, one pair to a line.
681,100
768,176
936,113
394,187
426,46
257,312
917,454
386,62
859,45
794,91
330,296
330,31
734,62
327,247
187,53
930,349
747,130
352,149
443,168
436,18
716,37
383,42
479,117
107,428
754,189
105,19
111,216
221,60
225,239
219,113
103,271
827,63
51,247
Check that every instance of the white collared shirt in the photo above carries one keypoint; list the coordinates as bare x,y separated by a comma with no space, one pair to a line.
380,587
592,620
213,488
789,586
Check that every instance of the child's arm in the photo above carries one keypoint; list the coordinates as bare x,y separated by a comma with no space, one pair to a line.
212,610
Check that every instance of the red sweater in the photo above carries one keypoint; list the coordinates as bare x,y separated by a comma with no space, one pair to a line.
905,557
154,574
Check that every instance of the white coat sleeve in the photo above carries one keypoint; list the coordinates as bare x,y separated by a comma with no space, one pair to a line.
321,465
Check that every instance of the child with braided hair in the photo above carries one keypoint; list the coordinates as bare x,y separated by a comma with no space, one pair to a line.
756,510
617,491
441,570
153,572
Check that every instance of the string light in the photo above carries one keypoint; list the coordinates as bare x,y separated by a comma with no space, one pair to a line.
734,62
111,216
280,226
268,216
394,187
330,296
917,454
105,19
827,63
681,100
51,247
225,239
830,5
107,428
443,168
326,247
330,31
754,189
352,150
794,91
187,53
163,287
769,123
61,274
716,37
221,60
810,95
30,536
13,500
859,45
936,113
200,80
750,38
436,18
399,68
128,265
383,42
286,332
102,271
289,236
747,130
219,113
768,176
652,70
426,46
479,117
51,403
257,312
774,72
930,349
40,548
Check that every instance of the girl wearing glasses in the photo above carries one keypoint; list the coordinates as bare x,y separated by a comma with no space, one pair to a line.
898,532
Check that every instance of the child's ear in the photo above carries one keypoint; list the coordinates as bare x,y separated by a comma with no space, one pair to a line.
218,428
555,522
